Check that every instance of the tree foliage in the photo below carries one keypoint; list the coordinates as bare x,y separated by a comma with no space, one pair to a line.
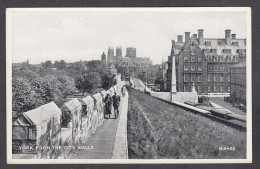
89,82
33,89
108,79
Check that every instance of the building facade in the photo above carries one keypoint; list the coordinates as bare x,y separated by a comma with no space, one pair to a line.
205,62
238,81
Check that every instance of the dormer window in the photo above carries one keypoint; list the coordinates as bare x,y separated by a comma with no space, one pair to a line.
215,58
206,51
213,51
221,43
192,59
235,43
207,43
236,58
221,58
210,58
230,58
226,51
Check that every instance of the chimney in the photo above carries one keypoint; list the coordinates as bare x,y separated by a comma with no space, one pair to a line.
180,38
233,36
187,36
200,36
194,35
228,36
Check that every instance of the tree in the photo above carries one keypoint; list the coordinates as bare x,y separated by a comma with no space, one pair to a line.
89,82
108,79
159,81
60,64
47,64
32,89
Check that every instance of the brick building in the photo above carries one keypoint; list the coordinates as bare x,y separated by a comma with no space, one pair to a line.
205,62
238,81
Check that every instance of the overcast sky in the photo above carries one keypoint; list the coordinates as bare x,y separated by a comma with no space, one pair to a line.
84,35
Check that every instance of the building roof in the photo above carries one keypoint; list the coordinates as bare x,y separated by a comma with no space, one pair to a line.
241,64
237,46
42,113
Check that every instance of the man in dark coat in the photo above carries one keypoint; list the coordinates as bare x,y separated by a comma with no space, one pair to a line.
116,102
108,105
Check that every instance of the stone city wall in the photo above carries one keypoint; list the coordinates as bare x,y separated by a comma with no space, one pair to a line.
53,140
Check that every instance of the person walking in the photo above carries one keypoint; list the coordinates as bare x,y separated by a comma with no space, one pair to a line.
108,105
123,90
116,102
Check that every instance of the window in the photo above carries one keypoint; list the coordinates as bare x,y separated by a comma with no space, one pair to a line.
235,43
209,88
215,58
199,89
214,51
210,58
186,59
186,67
199,58
222,67
208,43
193,67
228,88
216,67
186,77
192,77
215,77
236,58
230,58
209,77
215,88
210,68
199,78
186,88
192,59
221,88
221,78
228,78
199,68
221,58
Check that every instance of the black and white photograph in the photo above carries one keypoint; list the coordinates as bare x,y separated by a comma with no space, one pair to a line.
129,85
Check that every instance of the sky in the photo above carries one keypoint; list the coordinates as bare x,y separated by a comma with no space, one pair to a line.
84,35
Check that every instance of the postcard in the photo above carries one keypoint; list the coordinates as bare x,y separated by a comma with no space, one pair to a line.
129,85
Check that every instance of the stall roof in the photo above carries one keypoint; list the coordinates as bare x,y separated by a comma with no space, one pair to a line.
42,113
72,104
112,90
97,96
104,93
87,100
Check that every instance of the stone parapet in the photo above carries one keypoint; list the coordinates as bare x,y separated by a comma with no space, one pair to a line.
41,128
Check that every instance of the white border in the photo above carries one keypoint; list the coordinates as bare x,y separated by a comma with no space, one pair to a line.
9,12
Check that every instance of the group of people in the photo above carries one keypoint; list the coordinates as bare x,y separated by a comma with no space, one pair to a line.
115,101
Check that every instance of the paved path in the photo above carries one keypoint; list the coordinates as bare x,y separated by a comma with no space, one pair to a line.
103,140
220,101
